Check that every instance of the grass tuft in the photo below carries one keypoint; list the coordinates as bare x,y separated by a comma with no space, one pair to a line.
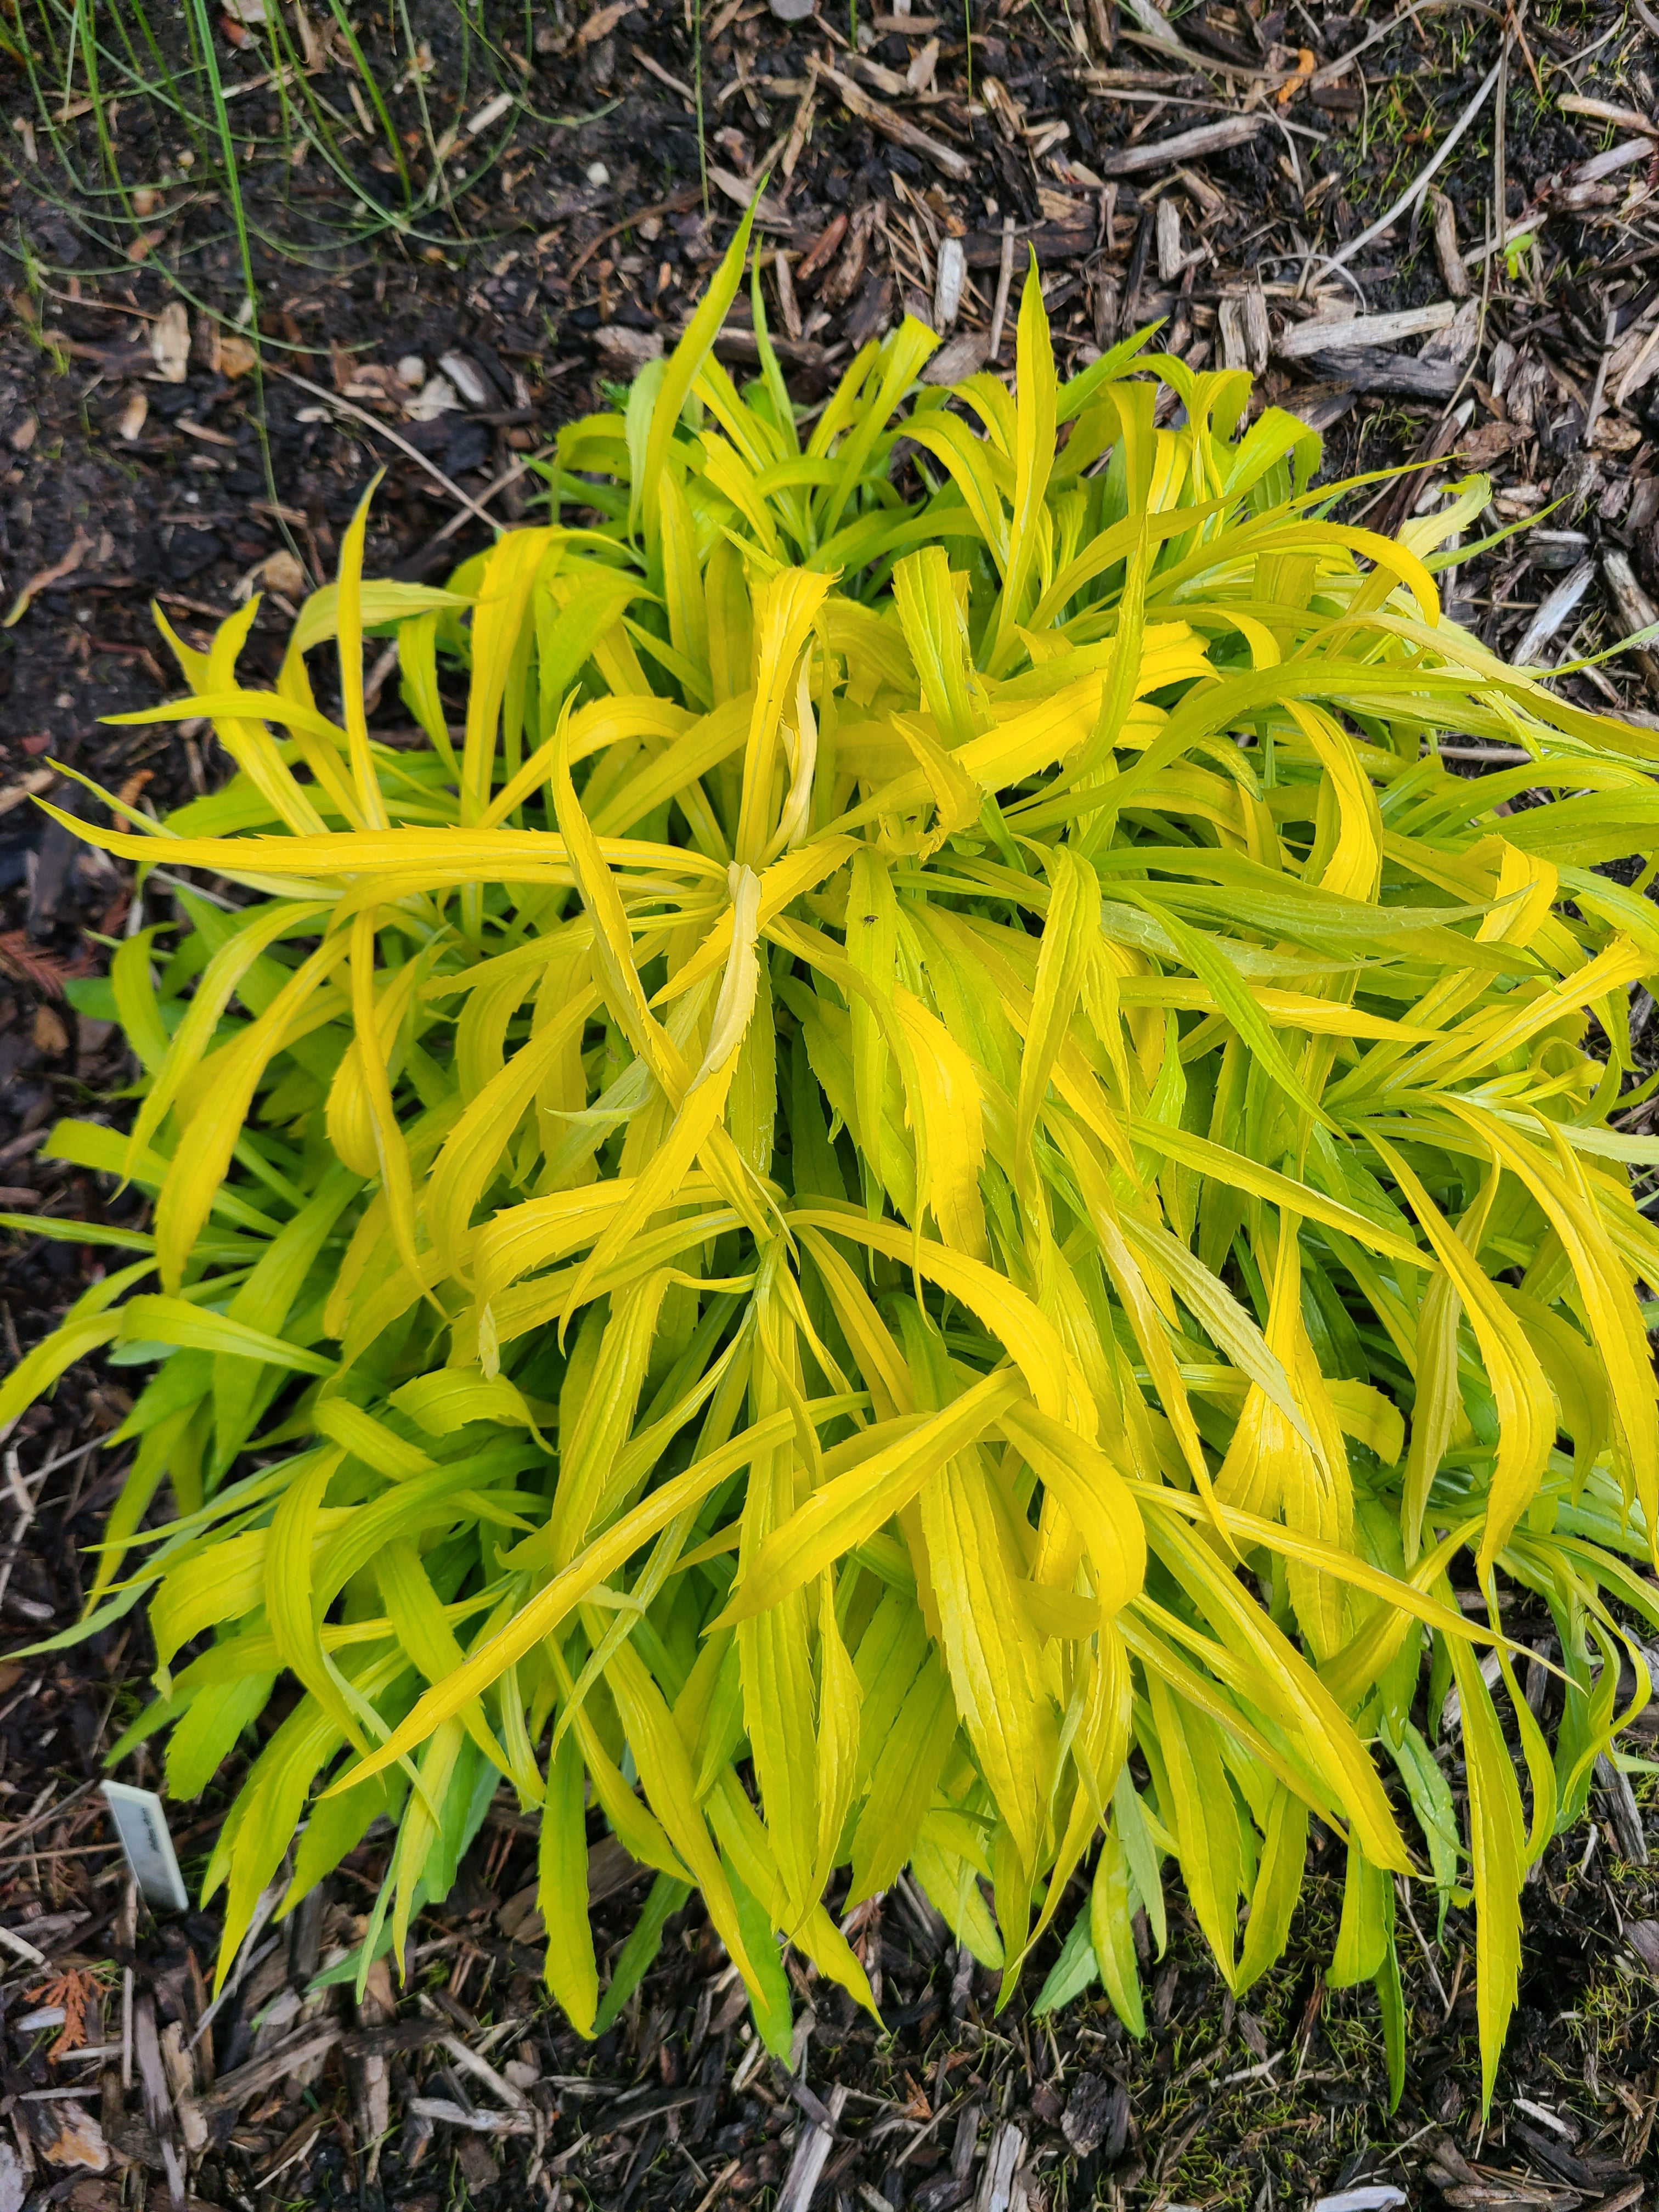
927,1192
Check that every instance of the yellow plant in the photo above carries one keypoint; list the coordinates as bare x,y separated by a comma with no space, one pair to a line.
924,1204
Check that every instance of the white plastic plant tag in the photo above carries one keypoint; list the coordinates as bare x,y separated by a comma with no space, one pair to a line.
143,1827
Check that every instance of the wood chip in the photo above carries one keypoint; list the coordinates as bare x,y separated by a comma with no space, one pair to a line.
1002,2162
1158,32
169,342
1642,1938
1502,2196
1552,616
232,2091
65,2135
741,190
1613,1785
392,2037
158,2103
895,85
1600,111
963,355
1635,610
801,129
902,133
480,2122
1301,340
822,250
947,289
811,2149
1453,273
788,305
604,20
1602,165
624,350
1479,449
1185,146
1241,319
370,2075
1006,111
1168,235
1373,368
1621,2199
1051,242
31,781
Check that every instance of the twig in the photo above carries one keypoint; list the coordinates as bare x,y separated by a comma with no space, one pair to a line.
1500,158
1004,279
291,2158
1473,361
717,2187
1523,226
678,204
1414,190
1403,1891
62,1460
385,429
273,78
23,1946
446,531
1258,2073
1600,111
248,1958
172,882
232,2091
1333,70
663,77
1158,30
44,579
1593,411
69,1852
374,684
471,2063
26,1500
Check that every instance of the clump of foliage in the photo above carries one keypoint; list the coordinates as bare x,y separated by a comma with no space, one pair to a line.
936,1202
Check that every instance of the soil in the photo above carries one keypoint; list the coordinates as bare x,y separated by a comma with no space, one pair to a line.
559,243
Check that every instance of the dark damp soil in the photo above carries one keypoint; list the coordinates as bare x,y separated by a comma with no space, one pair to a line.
450,231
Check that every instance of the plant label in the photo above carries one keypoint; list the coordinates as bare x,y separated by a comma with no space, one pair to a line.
143,1827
